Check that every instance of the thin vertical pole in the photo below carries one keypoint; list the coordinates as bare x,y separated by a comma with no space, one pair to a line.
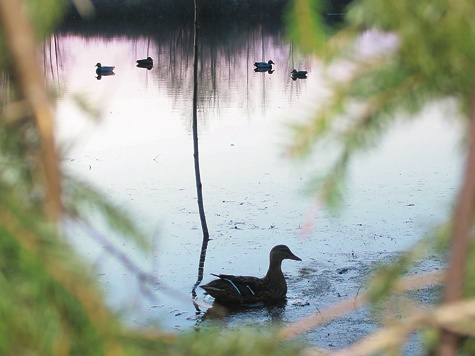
199,187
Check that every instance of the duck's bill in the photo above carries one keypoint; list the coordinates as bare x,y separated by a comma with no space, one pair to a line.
293,257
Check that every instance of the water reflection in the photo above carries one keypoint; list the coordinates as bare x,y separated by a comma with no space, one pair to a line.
225,61
274,311
201,267
264,70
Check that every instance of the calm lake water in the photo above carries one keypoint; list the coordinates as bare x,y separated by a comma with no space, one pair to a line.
140,154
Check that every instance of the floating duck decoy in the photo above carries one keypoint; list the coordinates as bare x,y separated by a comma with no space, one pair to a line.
302,74
264,64
104,70
148,60
145,63
228,289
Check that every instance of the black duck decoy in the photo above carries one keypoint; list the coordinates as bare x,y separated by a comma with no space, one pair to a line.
104,70
266,65
145,63
296,74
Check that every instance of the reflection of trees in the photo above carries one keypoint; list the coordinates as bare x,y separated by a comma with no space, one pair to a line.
52,57
180,10
225,62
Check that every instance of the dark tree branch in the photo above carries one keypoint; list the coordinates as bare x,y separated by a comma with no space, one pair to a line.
460,241
19,37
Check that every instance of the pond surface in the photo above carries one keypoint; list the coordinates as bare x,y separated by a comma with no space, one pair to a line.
140,154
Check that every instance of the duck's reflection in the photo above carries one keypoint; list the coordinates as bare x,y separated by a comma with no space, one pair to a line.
218,312
263,70
99,76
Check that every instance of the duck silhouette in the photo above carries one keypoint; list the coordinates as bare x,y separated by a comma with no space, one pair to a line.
298,74
267,65
145,63
229,289
104,70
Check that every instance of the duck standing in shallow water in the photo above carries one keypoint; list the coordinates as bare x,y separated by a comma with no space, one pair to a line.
145,63
296,74
265,65
228,289
106,70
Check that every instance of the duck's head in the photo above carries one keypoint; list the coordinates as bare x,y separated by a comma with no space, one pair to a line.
282,252
270,62
98,65
294,71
